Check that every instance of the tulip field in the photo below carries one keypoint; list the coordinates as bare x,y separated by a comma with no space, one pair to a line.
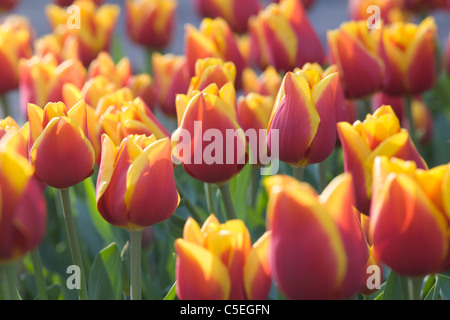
242,151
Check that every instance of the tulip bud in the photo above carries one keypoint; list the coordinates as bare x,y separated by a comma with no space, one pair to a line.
378,134
409,214
23,214
60,150
304,115
267,83
205,269
209,141
136,185
409,54
150,23
14,137
211,70
308,230
351,46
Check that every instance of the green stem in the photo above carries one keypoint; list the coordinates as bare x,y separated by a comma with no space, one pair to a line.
298,173
5,105
39,274
367,104
9,281
409,114
227,201
254,183
149,55
73,240
209,197
135,264
191,208
412,287
323,175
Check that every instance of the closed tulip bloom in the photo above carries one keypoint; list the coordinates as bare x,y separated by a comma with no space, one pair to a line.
236,13
104,65
60,151
267,83
304,116
219,262
23,214
171,78
214,38
390,10
318,249
396,102
150,23
422,6
7,5
85,32
287,35
209,141
409,54
66,3
14,137
136,186
211,70
354,49
42,79
306,3
378,134
410,215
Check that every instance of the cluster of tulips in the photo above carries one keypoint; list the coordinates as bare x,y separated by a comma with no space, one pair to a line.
350,125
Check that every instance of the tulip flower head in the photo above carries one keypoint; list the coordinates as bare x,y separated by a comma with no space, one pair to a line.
318,249
60,150
378,134
136,185
211,70
267,83
218,262
410,216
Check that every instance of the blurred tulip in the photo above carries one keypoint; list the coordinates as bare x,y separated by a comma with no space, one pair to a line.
254,112
396,102
318,249
66,3
84,32
211,70
236,13
23,213
41,79
304,117
423,6
136,185
16,37
284,36
409,54
422,120
390,10
150,23
267,83
202,116
60,151
410,214
378,134
214,38
353,48
171,77
143,86
14,137
306,3
218,261
7,5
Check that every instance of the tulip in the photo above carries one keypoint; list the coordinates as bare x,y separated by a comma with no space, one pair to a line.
267,83
286,34
378,134
421,6
390,10
41,79
7,5
396,102
23,214
66,3
234,12
410,214
16,36
353,48
60,151
171,77
304,117
218,262
214,38
409,54
318,249
200,115
150,23
143,86
14,137
422,121
211,70
306,3
85,32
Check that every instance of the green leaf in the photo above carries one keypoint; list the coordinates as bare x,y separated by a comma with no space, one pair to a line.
393,289
444,283
172,294
106,275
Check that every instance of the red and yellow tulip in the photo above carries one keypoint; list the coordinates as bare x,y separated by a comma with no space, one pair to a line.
304,117
7,5
211,70
126,175
150,23
284,37
14,137
353,45
390,10
318,249
379,134
409,54
410,214
60,150
66,3
267,83
218,262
